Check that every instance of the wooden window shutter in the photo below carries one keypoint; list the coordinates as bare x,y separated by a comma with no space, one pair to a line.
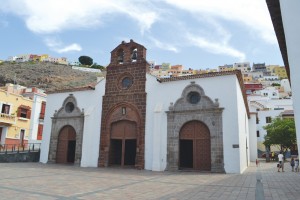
40,132
19,112
28,115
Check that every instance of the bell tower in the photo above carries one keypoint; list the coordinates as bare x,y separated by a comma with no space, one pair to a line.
124,108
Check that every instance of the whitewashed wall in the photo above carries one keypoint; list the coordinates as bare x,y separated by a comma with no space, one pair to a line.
290,12
35,117
159,96
285,83
91,102
243,130
262,121
252,137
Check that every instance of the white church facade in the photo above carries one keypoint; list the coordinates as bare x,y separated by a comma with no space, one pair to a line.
131,118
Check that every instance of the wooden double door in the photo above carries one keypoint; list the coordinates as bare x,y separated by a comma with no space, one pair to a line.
66,145
194,147
123,143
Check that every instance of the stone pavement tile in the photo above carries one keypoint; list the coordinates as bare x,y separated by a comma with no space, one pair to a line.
6,194
52,181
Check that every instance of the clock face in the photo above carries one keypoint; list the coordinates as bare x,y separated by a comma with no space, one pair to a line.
126,82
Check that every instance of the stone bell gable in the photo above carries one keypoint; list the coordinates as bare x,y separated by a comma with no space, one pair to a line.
127,53
124,107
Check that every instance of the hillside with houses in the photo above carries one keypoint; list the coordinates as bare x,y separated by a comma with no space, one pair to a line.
45,75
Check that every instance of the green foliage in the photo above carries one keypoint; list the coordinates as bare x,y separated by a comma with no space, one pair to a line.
96,66
275,84
85,60
281,132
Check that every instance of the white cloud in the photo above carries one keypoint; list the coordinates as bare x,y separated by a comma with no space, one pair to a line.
250,13
49,16
57,46
215,47
72,47
164,45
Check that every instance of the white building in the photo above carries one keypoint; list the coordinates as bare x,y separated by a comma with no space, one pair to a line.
37,113
285,84
267,109
242,66
270,92
196,123
285,15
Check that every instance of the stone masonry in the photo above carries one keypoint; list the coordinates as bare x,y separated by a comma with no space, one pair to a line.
205,111
62,118
132,98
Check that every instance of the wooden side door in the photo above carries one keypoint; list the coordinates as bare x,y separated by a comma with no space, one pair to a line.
198,134
66,135
202,150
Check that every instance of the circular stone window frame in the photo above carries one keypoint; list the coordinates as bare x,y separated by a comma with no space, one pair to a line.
69,107
121,81
193,94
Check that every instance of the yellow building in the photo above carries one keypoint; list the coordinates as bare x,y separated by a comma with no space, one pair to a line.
270,68
280,72
226,68
247,77
44,57
62,61
14,118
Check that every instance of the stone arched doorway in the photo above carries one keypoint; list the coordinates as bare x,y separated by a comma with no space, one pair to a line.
66,145
123,143
195,124
194,146
67,125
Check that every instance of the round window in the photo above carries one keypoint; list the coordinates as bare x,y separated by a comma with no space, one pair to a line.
193,97
69,107
126,82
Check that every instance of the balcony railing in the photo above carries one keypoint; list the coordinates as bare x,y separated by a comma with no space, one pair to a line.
17,148
8,119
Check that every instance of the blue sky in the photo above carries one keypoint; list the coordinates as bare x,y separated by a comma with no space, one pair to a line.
198,34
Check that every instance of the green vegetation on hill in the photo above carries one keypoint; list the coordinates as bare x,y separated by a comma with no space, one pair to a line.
46,76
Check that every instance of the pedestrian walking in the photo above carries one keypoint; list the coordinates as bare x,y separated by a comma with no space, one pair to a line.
297,164
292,164
281,162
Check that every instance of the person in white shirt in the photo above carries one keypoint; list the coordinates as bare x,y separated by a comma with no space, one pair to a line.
297,164
281,161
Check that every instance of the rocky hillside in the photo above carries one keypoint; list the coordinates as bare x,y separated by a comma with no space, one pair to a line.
46,76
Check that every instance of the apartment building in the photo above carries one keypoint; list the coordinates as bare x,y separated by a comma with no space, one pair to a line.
14,117
22,114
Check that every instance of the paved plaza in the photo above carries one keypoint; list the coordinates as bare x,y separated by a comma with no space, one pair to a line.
53,181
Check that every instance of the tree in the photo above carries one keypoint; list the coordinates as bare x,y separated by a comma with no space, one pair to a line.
275,84
85,60
281,132
96,66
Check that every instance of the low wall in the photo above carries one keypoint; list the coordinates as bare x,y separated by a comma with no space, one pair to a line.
20,157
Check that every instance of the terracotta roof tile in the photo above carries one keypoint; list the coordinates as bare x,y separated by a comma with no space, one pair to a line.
89,87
